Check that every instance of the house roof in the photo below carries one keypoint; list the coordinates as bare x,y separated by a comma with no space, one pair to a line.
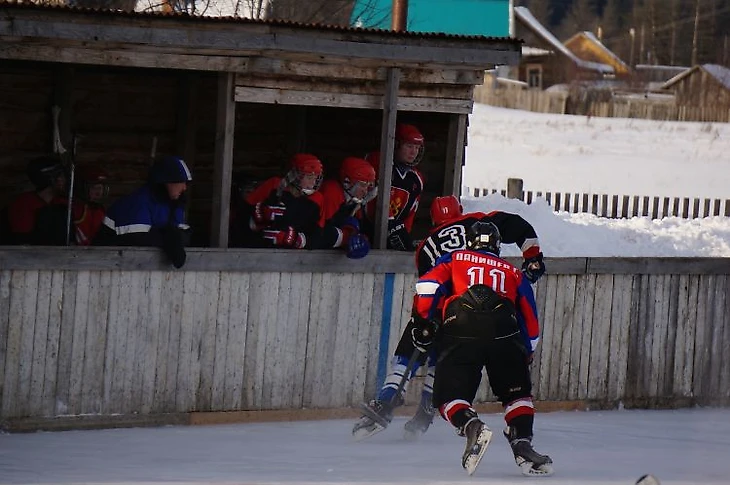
720,73
605,50
524,15
32,31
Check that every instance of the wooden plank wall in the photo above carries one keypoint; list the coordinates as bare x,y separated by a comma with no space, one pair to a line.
146,342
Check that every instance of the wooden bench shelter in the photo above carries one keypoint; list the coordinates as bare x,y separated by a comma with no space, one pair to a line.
229,95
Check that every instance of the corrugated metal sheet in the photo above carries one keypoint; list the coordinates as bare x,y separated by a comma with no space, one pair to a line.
241,20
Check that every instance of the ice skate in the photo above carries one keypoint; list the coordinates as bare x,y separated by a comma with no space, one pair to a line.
420,422
376,415
531,463
478,436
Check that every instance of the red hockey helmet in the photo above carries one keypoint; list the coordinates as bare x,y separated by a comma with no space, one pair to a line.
408,135
355,169
445,209
91,176
305,165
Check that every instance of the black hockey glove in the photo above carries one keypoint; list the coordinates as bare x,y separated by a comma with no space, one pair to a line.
533,268
173,244
423,333
399,239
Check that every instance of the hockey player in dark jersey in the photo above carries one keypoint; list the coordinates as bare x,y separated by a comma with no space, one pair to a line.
449,234
482,311
406,186
285,212
346,223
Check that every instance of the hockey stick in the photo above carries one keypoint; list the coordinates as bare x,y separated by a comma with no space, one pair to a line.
399,390
60,151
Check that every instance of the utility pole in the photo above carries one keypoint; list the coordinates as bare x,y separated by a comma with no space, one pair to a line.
632,33
695,34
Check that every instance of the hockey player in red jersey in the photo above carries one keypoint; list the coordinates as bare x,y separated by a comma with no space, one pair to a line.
449,234
347,225
406,186
482,309
88,207
285,212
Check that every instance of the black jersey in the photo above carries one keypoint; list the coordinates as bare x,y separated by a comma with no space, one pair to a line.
451,236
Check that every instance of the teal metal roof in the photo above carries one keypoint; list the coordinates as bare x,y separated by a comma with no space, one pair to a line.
490,18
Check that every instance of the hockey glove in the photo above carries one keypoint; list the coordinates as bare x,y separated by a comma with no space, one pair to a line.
358,246
264,215
349,227
533,268
399,239
286,238
423,333
173,245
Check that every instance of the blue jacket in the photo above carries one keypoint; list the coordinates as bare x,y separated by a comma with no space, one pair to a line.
146,217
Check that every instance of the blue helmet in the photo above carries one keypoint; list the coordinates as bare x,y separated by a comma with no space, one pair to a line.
170,169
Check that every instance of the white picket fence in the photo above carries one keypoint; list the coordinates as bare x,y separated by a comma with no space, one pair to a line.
622,206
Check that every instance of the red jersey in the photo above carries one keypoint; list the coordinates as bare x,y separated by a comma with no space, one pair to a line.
88,218
462,269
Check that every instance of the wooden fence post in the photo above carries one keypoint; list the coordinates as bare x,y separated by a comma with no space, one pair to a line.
514,189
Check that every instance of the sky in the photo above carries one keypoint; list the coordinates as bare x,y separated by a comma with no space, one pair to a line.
614,156
550,152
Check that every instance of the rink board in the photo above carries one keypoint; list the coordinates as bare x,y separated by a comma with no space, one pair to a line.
119,340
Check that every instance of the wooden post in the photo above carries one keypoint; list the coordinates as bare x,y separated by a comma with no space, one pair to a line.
514,189
455,153
387,145
223,163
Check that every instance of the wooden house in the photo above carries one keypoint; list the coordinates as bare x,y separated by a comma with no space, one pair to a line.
560,66
588,47
701,85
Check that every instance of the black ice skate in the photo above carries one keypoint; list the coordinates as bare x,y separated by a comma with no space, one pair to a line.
531,463
376,416
420,422
478,436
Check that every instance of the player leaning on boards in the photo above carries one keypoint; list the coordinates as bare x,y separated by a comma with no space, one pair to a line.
488,321
448,234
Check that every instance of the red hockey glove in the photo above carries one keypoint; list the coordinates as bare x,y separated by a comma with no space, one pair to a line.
264,214
286,238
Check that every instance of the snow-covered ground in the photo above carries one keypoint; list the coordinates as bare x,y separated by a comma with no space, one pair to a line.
615,156
683,447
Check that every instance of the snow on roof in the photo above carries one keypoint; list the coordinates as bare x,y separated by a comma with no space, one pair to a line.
524,14
528,51
720,73
605,49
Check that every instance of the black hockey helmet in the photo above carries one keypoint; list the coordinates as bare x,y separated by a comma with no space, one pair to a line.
484,235
43,171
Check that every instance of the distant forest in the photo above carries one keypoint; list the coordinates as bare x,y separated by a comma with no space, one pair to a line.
666,32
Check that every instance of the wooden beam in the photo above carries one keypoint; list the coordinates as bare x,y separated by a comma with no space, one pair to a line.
387,145
344,100
454,154
116,57
348,86
346,71
96,258
223,162
198,36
